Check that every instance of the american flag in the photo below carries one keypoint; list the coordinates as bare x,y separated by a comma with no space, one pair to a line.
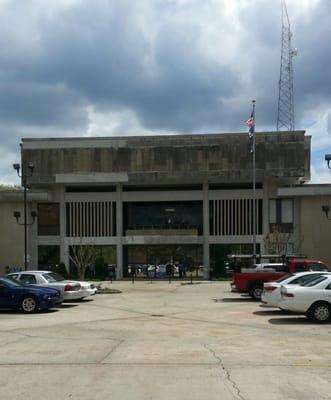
251,128
251,125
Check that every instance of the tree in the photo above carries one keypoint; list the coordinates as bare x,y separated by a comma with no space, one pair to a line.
4,188
280,241
82,256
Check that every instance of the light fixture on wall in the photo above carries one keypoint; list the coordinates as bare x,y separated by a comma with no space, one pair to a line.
326,210
328,160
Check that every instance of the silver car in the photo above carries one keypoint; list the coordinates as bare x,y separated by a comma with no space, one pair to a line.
72,290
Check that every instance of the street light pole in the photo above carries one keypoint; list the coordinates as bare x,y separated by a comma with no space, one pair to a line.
17,214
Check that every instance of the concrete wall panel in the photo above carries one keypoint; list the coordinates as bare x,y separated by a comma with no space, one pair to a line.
220,158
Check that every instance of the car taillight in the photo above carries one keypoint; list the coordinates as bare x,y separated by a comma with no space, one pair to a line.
68,287
270,288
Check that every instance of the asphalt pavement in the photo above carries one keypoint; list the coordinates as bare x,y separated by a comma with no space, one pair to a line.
164,341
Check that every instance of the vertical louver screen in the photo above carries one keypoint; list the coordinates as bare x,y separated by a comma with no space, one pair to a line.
234,217
91,219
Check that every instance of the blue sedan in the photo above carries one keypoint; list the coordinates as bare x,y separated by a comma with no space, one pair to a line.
27,298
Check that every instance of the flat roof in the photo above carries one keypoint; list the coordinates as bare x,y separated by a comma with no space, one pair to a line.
153,140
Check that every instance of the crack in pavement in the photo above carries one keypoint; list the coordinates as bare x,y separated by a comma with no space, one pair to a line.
14,340
111,351
227,373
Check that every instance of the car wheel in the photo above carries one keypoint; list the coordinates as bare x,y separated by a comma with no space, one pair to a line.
256,292
29,304
320,312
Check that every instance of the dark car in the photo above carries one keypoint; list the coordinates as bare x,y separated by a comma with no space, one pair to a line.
27,298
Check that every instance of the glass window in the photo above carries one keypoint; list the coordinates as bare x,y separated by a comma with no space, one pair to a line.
300,268
53,277
10,281
303,279
153,261
184,215
48,257
28,279
272,211
314,282
283,278
287,211
48,219
101,260
318,267
281,211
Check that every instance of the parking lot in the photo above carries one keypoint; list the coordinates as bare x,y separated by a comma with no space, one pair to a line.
164,341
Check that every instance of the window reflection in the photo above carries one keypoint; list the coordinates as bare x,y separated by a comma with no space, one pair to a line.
143,217
48,219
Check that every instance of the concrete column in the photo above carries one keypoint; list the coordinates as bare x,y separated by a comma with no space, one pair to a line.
265,215
32,239
64,249
297,237
119,232
205,207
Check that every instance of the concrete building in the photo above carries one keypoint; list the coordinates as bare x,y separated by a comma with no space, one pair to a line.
150,200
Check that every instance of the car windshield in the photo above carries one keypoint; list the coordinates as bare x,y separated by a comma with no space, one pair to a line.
283,278
314,282
53,277
11,281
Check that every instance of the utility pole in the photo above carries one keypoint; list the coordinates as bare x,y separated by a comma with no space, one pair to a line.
285,114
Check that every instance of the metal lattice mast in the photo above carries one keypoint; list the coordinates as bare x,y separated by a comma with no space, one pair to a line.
285,115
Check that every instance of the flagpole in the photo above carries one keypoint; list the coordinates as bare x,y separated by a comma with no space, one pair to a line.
254,189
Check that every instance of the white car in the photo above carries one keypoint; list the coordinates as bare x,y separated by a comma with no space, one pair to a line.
312,298
271,295
72,290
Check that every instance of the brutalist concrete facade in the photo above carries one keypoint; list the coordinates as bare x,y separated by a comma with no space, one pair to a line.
209,168
217,158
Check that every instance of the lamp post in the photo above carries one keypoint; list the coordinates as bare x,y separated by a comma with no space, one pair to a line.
326,210
24,175
328,160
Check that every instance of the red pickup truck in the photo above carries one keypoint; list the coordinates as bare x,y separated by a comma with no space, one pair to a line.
252,282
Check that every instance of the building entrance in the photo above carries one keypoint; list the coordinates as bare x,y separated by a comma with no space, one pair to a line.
162,261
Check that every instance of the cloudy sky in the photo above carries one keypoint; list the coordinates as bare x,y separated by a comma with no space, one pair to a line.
126,67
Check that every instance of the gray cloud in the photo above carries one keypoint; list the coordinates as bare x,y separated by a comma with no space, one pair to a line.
179,66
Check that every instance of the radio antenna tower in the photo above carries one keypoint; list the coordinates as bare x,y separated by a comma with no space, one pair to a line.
285,115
